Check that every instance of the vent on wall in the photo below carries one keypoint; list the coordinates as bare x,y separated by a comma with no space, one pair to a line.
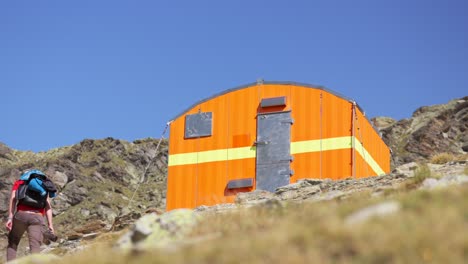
274,101
240,183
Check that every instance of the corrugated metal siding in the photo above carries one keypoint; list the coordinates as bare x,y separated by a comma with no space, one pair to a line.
220,124
306,113
211,183
374,145
242,132
319,116
306,166
181,184
337,164
336,122
336,117
269,91
305,104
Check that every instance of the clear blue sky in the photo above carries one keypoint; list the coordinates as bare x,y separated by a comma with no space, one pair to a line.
71,70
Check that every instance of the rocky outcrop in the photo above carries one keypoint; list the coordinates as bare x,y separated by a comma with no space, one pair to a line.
110,185
432,183
430,130
383,122
321,190
98,180
5,152
153,230
316,190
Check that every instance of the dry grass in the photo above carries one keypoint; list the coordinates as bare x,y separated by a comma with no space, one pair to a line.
461,157
420,174
442,158
316,233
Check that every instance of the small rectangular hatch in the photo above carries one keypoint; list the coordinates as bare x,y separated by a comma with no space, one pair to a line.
240,183
274,101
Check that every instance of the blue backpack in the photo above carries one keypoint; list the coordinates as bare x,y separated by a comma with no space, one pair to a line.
33,192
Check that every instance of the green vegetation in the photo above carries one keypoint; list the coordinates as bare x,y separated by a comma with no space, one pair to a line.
108,194
318,233
420,174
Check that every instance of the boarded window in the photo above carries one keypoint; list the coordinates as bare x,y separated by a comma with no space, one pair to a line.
198,125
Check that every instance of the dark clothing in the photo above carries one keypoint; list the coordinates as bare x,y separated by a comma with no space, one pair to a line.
33,222
49,186
22,207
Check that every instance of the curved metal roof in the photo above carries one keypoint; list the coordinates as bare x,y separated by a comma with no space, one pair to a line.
318,87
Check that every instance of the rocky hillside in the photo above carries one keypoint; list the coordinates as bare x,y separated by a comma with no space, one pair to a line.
387,219
111,186
429,131
98,180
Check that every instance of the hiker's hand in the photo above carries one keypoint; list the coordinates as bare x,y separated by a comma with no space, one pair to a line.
9,223
51,228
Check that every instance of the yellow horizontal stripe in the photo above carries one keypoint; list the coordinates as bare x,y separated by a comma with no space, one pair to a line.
296,148
327,144
183,159
242,153
212,155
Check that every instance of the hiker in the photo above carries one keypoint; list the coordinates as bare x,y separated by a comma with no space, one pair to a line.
27,207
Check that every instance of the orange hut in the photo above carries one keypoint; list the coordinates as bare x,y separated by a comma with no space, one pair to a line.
266,135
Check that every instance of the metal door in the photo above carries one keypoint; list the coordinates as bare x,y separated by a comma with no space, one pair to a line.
273,150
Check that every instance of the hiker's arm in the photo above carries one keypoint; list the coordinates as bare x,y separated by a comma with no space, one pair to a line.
49,215
11,205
